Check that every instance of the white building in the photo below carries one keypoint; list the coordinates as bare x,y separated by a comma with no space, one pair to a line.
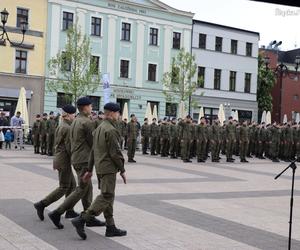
227,62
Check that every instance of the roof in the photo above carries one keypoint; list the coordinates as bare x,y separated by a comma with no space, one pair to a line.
282,2
288,56
224,26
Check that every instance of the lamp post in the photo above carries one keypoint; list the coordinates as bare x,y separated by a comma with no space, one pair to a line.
4,35
281,71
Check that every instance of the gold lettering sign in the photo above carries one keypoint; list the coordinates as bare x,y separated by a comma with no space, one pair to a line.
126,8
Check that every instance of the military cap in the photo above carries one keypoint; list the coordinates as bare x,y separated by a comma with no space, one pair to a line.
111,106
174,119
145,119
188,117
132,115
51,113
100,113
38,116
83,101
70,109
154,119
45,114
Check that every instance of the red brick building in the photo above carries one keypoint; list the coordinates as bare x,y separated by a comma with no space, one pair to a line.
286,96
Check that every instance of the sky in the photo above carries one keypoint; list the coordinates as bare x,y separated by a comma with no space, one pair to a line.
272,21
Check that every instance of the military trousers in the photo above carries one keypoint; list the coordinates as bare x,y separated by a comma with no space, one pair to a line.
201,149
288,148
83,191
67,185
43,138
158,147
274,149
164,146
173,146
50,143
185,149
131,144
153,144
229,148
145,143
298,150
215,150
105,201
243,149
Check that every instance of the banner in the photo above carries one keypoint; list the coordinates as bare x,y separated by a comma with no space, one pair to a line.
106,88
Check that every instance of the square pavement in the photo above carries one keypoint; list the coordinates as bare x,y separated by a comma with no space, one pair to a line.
166,204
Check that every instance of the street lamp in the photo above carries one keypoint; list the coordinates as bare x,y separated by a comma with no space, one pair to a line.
4,35
281,71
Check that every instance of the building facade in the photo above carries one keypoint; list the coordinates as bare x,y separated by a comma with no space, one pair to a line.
285,94
23,66
227,64
133,41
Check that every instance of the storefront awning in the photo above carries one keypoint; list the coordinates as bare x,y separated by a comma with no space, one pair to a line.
13,93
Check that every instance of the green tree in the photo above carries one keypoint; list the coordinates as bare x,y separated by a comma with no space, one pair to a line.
178,83
73,70
265,83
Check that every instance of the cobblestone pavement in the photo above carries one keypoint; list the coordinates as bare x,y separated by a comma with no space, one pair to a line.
166,204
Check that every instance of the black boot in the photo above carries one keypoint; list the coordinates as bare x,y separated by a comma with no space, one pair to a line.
79,223
95,223
70,214
39,206
55,217
112,231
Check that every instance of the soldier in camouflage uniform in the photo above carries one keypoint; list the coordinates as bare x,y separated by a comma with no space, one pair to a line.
193,152
244,141
158,145
43,134
145,133
36,134
275,142
50,127
288,143
230,139
173,137
164,137
186,138
201,140
261,140
132,134
237,136
179,131
215,141
153,136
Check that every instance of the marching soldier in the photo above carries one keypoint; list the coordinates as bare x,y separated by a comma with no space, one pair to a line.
201,140
244,141
81,144
43,134
173,137
132,133
164,137
153,136
50,127
108,160
230,139
62,163
36,134
215,141
145,133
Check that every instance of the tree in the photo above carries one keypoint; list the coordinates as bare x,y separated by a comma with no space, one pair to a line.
74,71
265,83
178,84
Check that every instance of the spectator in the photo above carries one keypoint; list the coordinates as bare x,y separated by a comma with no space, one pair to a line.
1,138
8,138
3,121
16,122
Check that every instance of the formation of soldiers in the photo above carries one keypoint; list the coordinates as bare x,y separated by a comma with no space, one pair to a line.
186,139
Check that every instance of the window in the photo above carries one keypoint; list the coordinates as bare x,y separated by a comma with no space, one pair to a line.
124,69
153,36
66,62
248,49
234,44
95,102
152,72
210,114
22,16
21,61
96,26
171,109
95,60
217,79
202,41
201,75
247,82
152,105
218,46
67,20
63,99
232,80
175,75
126,31
176,40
